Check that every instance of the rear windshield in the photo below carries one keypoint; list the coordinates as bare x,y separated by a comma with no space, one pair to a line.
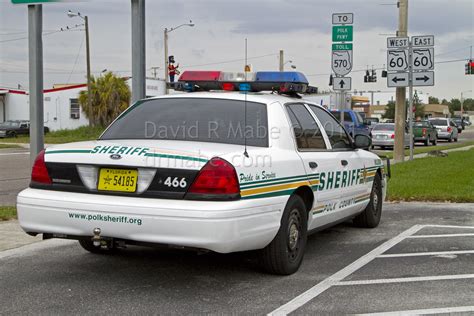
193,119
384,127
421,124
439,122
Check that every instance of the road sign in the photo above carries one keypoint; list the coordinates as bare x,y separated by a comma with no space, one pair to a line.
425,78
422,41
342,83
397,60
400,79
423,58
342,62
342,33
342,18
397,42
341,46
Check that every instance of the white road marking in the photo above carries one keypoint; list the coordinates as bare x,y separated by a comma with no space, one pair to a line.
443,310
435,253
405,280
42,245
450,226
13,154
441,236
334,279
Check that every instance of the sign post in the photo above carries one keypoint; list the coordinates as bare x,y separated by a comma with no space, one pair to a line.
342,57
409,63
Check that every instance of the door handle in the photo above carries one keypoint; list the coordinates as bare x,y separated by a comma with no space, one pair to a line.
344,162
313,165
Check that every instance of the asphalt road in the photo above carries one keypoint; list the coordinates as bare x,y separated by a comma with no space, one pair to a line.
407,263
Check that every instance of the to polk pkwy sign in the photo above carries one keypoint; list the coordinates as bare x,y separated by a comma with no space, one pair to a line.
342,33
342,18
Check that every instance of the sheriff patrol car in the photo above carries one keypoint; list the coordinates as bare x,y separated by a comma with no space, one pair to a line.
224,171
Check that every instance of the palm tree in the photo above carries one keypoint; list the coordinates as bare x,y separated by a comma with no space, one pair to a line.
110,96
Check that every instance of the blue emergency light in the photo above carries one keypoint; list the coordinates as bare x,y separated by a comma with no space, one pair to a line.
289,82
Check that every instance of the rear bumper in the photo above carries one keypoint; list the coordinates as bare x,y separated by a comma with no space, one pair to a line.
444,135
382,142
218,226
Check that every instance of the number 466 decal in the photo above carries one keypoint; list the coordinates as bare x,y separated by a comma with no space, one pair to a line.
175,182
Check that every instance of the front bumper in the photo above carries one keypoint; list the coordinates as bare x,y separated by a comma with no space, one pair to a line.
218,226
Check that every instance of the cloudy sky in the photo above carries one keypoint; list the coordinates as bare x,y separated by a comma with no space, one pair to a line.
302,28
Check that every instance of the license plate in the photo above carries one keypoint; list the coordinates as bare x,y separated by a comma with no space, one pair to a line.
381,136
120,180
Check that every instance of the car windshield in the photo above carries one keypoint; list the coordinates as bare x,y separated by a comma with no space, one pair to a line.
193,119
10,124
421,124
439,122
384,127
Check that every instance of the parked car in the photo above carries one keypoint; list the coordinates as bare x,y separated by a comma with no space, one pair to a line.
424,131
460,123
13,128
352,121
383,135
447,129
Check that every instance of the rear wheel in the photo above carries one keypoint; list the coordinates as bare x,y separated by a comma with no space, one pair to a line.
427,141
370,217
285,253
89,246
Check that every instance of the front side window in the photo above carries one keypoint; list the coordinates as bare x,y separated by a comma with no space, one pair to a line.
336,133
307,132
193,119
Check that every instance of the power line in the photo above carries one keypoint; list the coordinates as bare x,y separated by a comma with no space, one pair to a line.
67,29
75,62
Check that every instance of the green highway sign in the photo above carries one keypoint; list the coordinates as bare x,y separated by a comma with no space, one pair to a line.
342,33
342,46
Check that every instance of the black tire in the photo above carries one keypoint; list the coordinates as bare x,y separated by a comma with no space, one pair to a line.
284,254
427,141
435,141
12,134
370,217
89,246
450,139
456,139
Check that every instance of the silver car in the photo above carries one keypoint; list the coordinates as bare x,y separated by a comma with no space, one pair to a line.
383,135
446,128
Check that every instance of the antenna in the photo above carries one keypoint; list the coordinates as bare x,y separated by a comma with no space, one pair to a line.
246,154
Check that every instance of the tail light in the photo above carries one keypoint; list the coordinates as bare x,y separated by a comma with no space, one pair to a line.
449,129
216,180
393,136
39,172
424,131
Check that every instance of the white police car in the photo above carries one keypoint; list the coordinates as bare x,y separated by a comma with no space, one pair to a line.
222,171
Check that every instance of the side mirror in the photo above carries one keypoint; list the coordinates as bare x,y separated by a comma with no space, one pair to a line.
362,142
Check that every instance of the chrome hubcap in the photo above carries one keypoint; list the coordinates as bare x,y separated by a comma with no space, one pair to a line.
293,236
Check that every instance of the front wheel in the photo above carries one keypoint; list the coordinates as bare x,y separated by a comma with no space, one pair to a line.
285,253
435,141
370,217
427,141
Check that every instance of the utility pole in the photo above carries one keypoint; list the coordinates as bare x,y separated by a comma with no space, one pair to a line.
282,61
399,147
35,60
138,50
165,36
88,61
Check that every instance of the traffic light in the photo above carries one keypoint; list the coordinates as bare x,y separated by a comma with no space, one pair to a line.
469,70
370,76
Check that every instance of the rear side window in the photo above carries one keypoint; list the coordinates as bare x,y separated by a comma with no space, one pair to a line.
193,119
307,132
336,133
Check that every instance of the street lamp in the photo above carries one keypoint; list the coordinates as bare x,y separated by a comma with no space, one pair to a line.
289,62
88,59
190,24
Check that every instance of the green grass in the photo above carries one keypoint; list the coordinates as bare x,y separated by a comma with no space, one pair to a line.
3,146
425,149
438,179
63,136
7,213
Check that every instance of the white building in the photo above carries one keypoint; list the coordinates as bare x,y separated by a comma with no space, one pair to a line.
61,106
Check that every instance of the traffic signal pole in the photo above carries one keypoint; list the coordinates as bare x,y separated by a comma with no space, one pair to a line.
35,56
400,106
